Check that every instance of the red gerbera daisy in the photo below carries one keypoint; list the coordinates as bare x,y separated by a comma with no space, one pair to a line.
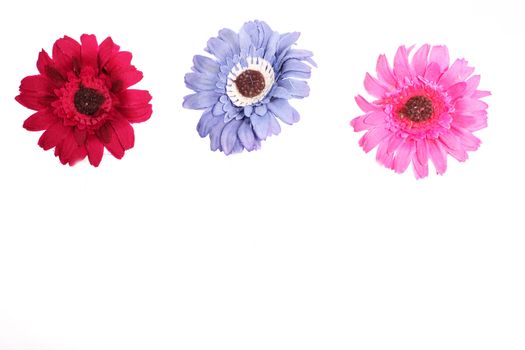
82,99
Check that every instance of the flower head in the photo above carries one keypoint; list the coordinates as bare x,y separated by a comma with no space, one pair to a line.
82,100
245,89
425,109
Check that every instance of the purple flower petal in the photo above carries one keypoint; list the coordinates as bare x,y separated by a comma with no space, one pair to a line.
261,125
295,88
200,100
229,136
199,82
205,64
282,110
246,135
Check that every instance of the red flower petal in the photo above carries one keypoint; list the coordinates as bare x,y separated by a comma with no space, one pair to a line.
121,60
124,78
106,51
47,68
37,85
66,54
95,150
104,133
132,98
36,103
70,152
125,132
68,146
114,146
77,155
137,114
89,50
80,136
36,92
41,120
53,136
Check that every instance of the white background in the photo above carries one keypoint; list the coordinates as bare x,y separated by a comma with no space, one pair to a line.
306,244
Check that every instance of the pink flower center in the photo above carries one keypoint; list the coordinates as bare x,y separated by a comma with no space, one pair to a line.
250,83
417,109
88,101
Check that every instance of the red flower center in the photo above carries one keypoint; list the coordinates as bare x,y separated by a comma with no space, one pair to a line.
85,100
88,101
417,109
250,83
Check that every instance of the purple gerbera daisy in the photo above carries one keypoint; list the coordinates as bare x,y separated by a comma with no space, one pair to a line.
246,88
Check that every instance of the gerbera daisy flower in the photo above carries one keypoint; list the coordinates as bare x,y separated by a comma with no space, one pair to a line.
82,100
245,89
425,109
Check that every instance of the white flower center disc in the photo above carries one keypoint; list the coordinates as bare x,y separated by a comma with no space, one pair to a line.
256,64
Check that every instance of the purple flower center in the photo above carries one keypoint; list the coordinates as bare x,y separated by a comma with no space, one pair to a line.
88,101
250,83
417,109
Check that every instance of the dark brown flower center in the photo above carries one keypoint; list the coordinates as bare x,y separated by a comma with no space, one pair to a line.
417,109
250,83
88,101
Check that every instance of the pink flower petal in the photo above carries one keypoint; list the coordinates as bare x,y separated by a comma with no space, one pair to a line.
481,94
470,105
433,72
359,124
401,65
422,151
403,156
382,155
393,145
420,168
439,55
373,87
384,72
450,140
372,138
419,61
438,156
470,122
459,153
375,118
453,74
365,105
457,90
465,137
472,85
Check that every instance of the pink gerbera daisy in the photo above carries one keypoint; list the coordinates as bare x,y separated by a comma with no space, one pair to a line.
425,109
